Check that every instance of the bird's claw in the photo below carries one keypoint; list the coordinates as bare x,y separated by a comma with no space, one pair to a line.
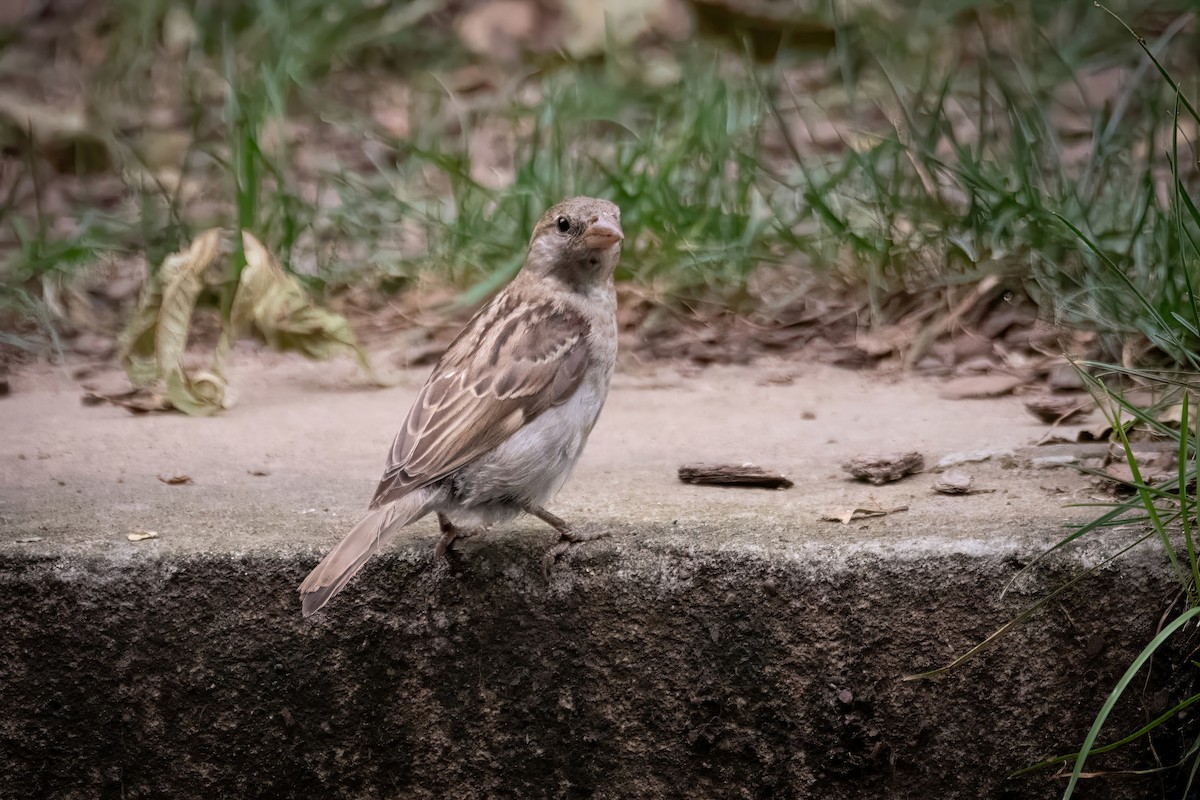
566,541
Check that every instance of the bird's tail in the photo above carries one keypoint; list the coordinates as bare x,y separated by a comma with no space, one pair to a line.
350,554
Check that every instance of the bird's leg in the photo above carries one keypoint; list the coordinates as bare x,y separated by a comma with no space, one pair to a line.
450,533
567,535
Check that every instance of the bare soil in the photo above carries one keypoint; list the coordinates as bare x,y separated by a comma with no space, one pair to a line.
318,435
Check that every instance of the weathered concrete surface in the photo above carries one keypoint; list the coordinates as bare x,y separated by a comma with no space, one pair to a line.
719,644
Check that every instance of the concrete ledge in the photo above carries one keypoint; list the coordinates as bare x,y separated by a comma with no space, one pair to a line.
661,672
719,644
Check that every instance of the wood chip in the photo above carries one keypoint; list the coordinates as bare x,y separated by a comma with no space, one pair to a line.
880,468
847,515
733,475
176,480
980,386
138,536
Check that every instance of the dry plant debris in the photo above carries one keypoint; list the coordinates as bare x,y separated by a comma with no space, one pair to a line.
747,475
848,515
138,536
268,302
177,480
974,387
275,305
878,468
1055,408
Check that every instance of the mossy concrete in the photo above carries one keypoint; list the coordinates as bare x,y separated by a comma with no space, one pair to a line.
720,643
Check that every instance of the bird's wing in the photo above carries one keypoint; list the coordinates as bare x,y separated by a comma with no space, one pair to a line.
516,358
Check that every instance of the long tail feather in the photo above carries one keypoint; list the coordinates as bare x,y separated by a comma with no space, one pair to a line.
350,554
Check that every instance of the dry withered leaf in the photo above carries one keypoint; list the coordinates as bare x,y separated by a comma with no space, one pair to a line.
880,468
1054,408
138,536
979,386
592,28
848,515
500,30
268,301
885,339
71,139
274,303
733,475
152,346
176,480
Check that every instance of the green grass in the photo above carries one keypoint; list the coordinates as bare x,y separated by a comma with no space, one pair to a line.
682,163
956,167
1134,271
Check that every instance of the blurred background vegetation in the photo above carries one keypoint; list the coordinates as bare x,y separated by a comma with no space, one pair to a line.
883,172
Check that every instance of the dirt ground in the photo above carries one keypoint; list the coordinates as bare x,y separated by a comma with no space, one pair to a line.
728,640
312,436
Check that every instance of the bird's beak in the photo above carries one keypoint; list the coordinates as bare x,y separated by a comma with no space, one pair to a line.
603,234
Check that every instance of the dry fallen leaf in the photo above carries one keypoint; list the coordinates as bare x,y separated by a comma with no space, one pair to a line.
885,339
138,536
268,301
152,346
979,386
71,139
176,480
275,305
847,515
1054,408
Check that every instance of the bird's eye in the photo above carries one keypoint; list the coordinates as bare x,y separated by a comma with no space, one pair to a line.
564,224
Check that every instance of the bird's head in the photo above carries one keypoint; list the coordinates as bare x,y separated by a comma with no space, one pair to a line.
577,241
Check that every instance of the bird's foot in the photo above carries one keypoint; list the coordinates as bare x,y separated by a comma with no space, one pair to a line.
451,533
567,540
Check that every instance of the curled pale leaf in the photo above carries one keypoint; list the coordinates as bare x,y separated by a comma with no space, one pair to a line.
275,305
135,345
182,277
153,344
199,395
268,301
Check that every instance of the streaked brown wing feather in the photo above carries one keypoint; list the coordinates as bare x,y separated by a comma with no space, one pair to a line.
485,388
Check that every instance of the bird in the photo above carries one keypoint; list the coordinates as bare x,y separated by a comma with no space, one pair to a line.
504,416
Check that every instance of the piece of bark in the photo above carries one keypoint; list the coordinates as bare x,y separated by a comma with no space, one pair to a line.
884,467
733,475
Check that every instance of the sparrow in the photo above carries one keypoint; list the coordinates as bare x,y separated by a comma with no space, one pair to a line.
501,421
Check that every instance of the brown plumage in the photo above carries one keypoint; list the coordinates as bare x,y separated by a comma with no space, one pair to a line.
504,416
